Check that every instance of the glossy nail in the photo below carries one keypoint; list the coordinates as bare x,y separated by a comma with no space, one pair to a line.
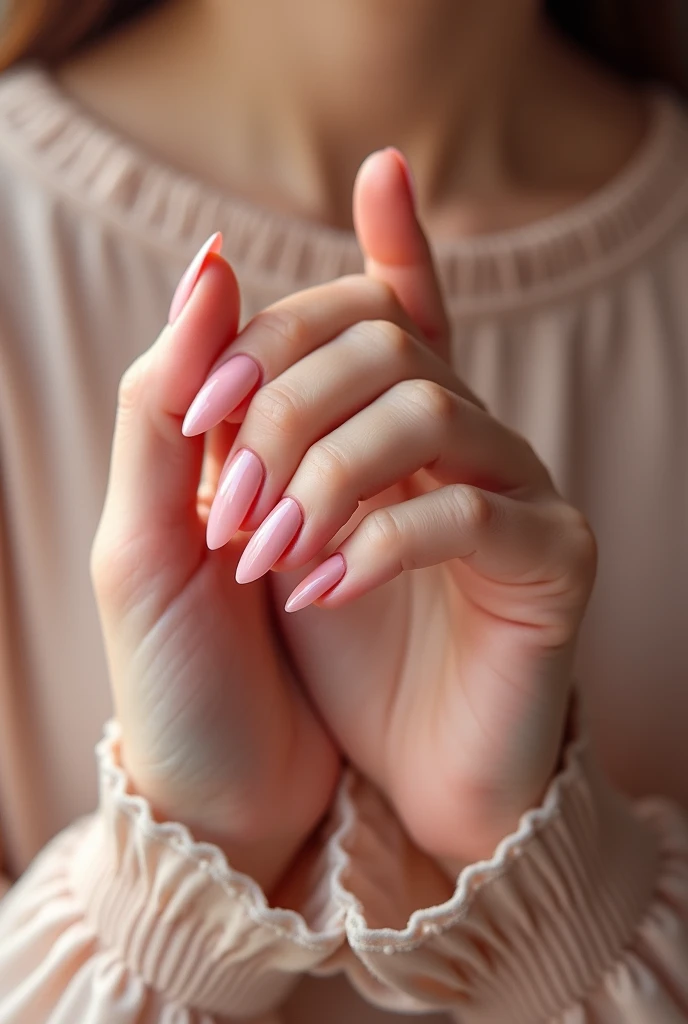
192,274
406,170
316,583
221,393
238,488
270,540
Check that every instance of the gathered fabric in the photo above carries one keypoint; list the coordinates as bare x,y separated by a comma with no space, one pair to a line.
574,332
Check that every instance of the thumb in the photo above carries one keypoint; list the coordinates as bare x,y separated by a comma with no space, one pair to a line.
155,470
394,245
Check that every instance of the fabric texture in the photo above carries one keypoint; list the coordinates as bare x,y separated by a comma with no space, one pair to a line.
574,331
584,906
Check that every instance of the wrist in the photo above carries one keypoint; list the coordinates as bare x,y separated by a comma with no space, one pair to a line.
485,833
488,818
259,835
265,859
262,846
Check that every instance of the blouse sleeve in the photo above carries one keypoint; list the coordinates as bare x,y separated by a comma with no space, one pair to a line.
580,917
124,919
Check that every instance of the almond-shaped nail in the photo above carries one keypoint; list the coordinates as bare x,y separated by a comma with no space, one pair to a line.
192,274
238,488
271,539
221,393
317,583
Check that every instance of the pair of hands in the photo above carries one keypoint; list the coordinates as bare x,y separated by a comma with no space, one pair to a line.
341,436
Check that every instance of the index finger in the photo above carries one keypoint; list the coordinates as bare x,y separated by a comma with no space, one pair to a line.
394,244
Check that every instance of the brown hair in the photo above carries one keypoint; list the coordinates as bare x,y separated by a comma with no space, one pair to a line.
638,39
50,29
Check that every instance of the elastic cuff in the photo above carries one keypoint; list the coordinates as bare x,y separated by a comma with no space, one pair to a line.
180,918
522,936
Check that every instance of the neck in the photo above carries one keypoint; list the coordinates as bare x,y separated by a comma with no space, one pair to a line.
282,101
344,78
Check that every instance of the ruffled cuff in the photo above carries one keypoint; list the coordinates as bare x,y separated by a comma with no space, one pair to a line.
567,906
181,920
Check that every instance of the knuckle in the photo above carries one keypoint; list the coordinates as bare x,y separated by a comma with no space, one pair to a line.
383,298
471,505
284,325
578,536
430,397
382,534
278,409
392,341
131,386
329,465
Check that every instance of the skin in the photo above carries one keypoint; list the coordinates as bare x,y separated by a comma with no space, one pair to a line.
457,618
463,663
281,103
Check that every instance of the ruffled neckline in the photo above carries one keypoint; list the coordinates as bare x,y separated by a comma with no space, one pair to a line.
561,253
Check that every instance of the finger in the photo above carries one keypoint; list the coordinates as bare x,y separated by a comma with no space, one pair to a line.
284,333
502,538
394,245
402,287
306,403
218,442
155,470
417,424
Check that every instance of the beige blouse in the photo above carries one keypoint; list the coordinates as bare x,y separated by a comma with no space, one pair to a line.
574,331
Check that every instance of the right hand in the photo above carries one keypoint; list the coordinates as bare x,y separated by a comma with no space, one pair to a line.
215,732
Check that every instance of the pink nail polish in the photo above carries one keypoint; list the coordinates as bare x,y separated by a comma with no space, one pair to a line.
238,488
191,275
269,541
221,393
317,583
404,166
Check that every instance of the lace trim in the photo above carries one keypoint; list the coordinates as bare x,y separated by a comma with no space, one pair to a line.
431,921
208,857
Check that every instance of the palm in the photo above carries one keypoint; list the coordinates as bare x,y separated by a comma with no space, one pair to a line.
216,731
427,684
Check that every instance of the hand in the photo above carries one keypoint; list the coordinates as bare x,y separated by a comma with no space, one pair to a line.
214,732
449,684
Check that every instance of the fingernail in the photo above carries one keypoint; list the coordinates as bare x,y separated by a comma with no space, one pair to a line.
404,165
221,393
269,541
316,583
191,276
238,488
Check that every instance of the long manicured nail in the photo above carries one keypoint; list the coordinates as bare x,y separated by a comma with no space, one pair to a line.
238,488
269,541
192,274
316,583
221,393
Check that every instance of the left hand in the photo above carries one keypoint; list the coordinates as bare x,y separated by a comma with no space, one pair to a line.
448,685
